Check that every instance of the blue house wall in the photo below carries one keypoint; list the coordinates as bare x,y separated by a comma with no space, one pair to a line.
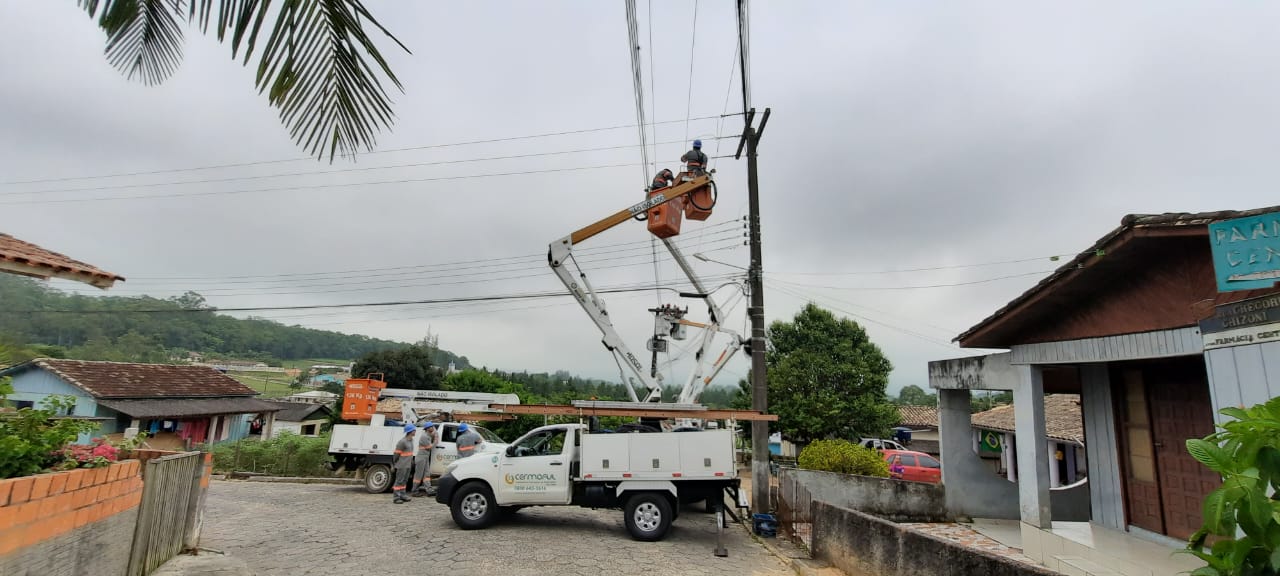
36,386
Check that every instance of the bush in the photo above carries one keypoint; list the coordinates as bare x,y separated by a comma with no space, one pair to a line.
32,440
844,457
285,455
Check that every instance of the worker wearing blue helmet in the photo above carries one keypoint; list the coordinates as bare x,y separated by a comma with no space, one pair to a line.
695,161
422,461
403,464
468,440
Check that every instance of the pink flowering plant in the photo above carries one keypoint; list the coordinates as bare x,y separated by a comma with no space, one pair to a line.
96,455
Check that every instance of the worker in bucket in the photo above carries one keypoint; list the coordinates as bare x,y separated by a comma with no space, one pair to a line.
695,161
404,464
662,180
422,460
468,440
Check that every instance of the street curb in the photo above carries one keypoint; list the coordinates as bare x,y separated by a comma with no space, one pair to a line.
301,480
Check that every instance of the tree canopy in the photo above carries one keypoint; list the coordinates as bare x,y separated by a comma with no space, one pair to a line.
317,64
409,367
827,378
912,395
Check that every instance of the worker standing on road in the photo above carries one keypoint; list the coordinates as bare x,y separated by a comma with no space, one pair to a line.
468,440
404,464
695,161
422,461
662,180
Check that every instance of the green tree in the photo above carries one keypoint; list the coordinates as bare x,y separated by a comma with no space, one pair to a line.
826,378
912,395
409,367
317,64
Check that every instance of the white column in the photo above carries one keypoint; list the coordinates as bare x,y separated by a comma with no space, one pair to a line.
1006,454
1055,476
1028,409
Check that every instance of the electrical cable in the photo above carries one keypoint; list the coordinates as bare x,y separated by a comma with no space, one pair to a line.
693,44
970,283
862,317
1051,257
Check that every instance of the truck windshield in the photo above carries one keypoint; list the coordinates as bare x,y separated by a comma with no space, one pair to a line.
488,435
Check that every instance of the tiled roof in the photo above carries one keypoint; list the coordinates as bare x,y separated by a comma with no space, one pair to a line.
127,380
300,411
918,416
179,407
21,257
1062,418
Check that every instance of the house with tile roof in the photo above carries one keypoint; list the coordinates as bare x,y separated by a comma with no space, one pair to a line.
178,406
27,259
994,431
1159,325
922,421
301,418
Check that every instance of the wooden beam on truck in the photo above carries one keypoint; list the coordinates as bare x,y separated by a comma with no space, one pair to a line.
461,416
564,410
668,194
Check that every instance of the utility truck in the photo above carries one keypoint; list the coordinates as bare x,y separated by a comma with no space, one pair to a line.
646,475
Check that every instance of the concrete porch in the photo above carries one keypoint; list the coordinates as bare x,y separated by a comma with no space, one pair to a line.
1087,549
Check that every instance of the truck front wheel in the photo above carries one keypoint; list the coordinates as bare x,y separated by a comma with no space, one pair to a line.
377,479
648,516
473,506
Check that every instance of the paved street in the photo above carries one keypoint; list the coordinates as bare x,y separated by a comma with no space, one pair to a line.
299,529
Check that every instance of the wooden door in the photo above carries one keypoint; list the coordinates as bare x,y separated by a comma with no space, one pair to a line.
1141,483
1181,409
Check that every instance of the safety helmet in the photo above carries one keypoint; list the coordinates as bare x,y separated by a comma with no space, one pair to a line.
697,143
409,427
427,425
667,172
463,427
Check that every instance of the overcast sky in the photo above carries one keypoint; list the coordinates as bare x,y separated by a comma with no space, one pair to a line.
920,135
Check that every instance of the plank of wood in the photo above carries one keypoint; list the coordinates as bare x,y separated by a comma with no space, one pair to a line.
564,410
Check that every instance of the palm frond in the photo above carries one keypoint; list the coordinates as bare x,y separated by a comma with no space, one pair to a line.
144,37
318,65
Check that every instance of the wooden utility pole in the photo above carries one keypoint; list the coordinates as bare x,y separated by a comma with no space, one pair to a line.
759,390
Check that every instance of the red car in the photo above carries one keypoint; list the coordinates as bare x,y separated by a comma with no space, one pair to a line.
913,466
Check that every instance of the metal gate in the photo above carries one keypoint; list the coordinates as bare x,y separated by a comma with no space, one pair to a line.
170,486
792,501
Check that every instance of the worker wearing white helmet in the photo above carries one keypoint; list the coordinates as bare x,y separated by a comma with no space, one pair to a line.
467,441
422,460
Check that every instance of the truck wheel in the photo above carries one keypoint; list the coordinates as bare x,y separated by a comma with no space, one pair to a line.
648,516
473,506
377,479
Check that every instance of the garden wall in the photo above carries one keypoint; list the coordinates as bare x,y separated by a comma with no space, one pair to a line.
76,522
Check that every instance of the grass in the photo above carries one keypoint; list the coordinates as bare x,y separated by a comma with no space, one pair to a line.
306,363
270,384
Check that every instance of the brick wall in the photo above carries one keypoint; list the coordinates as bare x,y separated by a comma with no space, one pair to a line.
76,522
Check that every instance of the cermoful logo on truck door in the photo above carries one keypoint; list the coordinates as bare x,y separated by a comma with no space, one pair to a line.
533,482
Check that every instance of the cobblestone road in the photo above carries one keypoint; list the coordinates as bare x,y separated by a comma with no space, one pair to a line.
300,529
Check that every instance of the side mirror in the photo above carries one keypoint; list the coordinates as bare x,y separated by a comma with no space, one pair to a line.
511,450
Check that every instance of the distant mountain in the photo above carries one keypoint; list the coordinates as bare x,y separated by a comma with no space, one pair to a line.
145,328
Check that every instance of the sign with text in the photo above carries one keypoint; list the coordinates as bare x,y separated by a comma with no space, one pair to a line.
1252,321
1246,252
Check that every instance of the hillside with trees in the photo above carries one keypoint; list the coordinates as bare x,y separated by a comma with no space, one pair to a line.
147,329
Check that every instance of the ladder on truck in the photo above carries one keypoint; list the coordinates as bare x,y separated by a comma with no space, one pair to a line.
669,320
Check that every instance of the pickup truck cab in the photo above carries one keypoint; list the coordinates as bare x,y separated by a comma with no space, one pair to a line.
372,449
647,475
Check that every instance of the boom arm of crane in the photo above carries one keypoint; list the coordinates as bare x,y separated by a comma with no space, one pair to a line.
561,254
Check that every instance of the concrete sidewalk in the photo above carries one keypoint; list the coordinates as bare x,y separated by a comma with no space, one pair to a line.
208,563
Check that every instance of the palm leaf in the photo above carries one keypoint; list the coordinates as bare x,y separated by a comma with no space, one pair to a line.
144,37
318,65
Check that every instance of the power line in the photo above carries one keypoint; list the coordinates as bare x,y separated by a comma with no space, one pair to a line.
592,250
1051,257
944,329
388,151
524,296
864,318
693,44
313,186
971,283
327,172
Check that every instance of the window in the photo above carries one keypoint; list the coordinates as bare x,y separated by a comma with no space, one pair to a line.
309,430
450,434
929,462
545,443
908,459
488,435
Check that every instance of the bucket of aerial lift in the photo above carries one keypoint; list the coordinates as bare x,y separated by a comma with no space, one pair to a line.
664,220
697,204
360,397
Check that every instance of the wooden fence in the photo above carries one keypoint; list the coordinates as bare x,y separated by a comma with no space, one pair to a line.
170,502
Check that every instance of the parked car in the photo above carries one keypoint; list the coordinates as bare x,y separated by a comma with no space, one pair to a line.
880,444
913,466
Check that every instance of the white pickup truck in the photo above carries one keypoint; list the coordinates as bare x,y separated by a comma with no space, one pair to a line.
648,475
372,448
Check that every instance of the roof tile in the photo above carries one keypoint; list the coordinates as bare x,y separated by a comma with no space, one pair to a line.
43,263
923,416
1062,418
128,380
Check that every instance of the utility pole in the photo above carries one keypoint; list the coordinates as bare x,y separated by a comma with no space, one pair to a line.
759,390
